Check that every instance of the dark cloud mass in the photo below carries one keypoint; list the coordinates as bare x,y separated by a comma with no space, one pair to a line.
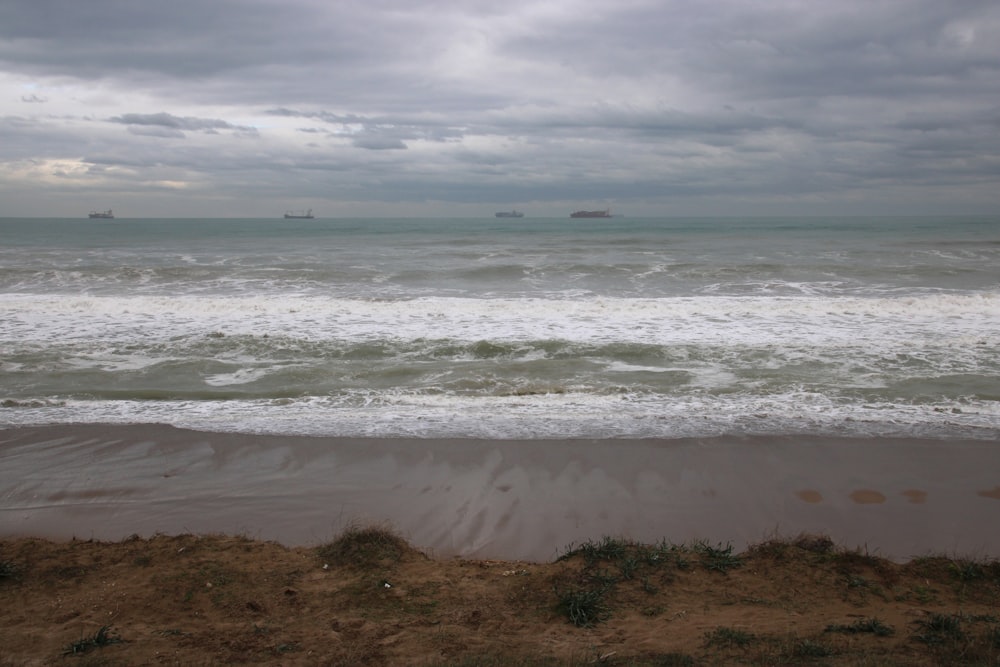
171,125
455,107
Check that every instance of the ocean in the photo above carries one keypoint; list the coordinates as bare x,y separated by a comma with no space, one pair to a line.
622,328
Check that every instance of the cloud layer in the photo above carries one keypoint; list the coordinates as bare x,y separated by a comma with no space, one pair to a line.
448,107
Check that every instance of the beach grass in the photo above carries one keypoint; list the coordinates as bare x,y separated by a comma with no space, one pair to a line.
365,546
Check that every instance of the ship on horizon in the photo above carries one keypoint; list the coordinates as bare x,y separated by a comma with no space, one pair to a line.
513,213
104,215
591,214
299,215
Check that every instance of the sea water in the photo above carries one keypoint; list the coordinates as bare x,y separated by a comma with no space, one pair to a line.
515,328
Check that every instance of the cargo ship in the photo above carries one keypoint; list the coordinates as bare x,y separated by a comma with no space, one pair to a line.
299,215
591,214
510,214
104,215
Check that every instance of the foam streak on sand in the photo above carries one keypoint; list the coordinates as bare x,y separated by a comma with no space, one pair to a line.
509,499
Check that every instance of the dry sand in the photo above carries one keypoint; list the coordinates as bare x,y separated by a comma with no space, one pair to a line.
523,500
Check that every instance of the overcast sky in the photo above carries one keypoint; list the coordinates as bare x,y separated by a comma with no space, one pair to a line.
448,107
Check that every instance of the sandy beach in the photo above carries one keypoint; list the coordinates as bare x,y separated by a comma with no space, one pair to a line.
506,499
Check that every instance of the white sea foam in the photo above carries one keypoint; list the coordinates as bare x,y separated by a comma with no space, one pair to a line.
725,320
547,416
241,376
620,367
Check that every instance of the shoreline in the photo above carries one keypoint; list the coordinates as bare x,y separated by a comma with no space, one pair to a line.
507,499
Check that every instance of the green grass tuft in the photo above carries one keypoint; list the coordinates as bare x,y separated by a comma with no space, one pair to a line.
606,549
729,637
718,558
968,570
103,637
810,649
584,607
8,571
940,629
364,546
867,625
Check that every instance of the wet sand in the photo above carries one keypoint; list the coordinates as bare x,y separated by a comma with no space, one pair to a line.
501,499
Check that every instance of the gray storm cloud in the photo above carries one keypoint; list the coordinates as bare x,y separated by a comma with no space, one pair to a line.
719,108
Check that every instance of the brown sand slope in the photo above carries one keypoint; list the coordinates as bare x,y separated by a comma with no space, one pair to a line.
368,598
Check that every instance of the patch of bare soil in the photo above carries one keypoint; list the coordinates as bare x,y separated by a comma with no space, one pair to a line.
368,598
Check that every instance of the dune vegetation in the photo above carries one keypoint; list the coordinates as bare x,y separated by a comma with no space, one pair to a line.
370,598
